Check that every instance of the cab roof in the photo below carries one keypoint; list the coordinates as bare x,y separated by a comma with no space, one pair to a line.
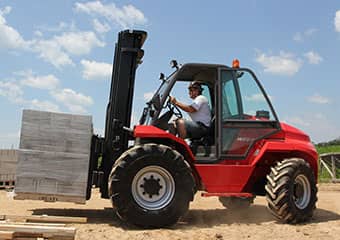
201,72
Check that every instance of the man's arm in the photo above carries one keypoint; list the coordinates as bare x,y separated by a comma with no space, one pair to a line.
182,106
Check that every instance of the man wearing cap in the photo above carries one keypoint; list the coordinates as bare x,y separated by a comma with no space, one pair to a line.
199,112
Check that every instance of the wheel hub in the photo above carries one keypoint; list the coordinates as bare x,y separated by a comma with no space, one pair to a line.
298,191
153,187
301,192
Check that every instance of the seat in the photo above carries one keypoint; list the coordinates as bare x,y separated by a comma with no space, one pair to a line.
206,141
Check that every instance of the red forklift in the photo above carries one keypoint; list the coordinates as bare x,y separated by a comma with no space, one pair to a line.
247,151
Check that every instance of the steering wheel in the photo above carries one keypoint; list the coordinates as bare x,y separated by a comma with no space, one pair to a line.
174,109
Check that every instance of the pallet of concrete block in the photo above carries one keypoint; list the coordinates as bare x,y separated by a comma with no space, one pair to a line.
8,164
53,159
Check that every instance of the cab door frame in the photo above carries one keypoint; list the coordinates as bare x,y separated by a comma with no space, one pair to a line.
241,124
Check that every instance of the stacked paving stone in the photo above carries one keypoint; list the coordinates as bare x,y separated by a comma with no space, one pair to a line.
54,155
8,163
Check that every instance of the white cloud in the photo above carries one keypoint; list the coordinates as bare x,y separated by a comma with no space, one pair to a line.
6,10
298,37
148,96
100,27
44,106
57,49
317,98
96,70
310,31
62,26
301,36
337,21
78,43
48,82
318,126
51,52
256,98
313,57
9,37
126,17
282,64
297,121
11,91
75,102
38,33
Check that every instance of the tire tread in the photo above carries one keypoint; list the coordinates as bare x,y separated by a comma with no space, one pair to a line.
279,190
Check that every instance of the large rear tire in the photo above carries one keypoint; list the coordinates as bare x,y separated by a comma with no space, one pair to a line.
291,191
151,186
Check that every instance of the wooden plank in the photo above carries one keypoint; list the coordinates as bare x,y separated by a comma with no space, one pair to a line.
50,197
16,222
65,233
45,219
6,235
7,184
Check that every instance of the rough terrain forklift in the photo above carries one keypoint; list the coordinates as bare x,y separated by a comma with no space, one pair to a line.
247,151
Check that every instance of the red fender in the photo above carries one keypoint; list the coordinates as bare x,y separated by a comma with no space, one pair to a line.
142,131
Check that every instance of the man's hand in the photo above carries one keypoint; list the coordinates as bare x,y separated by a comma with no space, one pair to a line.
182,106
173,100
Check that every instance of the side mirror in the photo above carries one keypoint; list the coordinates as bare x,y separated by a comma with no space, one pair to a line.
263,114
161,76
239,74
174,64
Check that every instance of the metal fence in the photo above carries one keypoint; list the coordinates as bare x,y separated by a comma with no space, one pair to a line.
331,163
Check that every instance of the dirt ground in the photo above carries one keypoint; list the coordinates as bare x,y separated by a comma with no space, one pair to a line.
206,219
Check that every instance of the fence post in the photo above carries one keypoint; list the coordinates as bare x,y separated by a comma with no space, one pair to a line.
333,169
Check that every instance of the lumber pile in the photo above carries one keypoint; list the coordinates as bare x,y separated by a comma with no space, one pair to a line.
17,231
52,227
43,219
8,163
53,159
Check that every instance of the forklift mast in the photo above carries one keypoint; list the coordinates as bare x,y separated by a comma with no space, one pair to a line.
128,54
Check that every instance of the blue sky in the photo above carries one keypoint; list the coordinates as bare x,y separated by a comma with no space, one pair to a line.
57,55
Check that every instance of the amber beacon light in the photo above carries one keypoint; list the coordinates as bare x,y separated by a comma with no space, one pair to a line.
236,63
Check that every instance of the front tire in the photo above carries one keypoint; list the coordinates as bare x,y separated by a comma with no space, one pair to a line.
291,191
151,186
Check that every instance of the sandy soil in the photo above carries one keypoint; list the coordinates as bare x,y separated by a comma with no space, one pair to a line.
207,219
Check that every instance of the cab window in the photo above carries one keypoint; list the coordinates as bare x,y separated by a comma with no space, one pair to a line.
230,108
254,105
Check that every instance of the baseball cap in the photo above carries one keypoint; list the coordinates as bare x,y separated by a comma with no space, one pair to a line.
195,85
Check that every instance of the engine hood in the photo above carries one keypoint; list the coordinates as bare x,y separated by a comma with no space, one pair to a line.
294,133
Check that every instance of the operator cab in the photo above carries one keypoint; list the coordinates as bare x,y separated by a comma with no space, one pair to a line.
207,75
162,111
241,111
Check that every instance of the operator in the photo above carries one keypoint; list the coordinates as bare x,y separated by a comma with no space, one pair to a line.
199,112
